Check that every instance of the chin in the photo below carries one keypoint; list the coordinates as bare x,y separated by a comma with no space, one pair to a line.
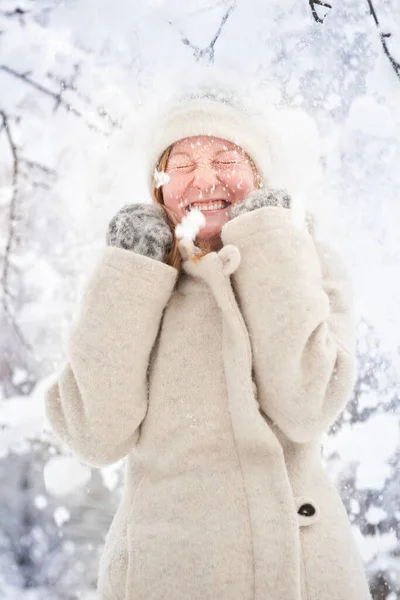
209,235
209,231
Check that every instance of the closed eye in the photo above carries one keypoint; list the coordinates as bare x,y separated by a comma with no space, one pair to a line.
175,167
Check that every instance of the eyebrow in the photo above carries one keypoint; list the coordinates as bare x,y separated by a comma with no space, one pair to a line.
233,149
186,154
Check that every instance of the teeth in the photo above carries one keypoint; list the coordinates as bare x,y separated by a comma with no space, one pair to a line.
215,206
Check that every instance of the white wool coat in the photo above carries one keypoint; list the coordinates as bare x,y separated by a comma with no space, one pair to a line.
217,385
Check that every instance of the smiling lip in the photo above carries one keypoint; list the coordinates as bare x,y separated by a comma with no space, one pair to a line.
207,203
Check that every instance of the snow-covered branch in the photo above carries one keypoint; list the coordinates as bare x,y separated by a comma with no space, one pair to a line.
383,37
208,53
11,232
313,5
56,95
71,85
21,168
18,13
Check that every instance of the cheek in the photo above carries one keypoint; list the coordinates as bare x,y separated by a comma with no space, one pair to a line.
239,184
172,193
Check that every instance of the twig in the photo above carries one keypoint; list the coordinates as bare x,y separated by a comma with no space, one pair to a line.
314,3
383,37
34,165
17,12
209,51
57,96
11,231
71,85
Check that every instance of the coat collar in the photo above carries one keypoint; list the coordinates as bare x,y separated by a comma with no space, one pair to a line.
218,266
226,261
214,269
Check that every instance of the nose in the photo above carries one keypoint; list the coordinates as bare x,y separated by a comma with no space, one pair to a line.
204,178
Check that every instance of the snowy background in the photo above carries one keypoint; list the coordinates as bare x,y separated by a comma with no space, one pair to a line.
71,72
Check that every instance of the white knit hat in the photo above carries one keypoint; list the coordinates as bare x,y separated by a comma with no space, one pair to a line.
213,118
282,141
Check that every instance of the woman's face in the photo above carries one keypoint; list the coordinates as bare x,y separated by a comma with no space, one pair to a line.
206,171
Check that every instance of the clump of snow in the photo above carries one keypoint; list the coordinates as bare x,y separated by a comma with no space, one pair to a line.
61,516
110,475
160,178
40,502
190,225
374,546
371,117
355,447
298,211
375,515
22,418
63,475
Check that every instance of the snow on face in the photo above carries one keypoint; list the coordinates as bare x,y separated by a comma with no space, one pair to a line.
190,225
202,168
160,178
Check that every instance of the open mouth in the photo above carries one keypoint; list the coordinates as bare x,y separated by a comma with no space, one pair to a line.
214,206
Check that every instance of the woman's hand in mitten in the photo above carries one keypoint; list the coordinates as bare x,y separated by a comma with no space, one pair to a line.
142,228
261,198
271,197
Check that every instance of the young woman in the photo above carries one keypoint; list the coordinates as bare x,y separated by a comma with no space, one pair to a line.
216,374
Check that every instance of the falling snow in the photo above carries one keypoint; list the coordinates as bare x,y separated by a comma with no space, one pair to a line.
75,75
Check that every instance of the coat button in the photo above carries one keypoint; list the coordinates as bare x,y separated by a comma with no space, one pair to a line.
306,510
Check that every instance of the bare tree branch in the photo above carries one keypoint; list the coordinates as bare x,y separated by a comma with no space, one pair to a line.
35,165
313,4
17,12
57,96
32,170
11,230
208,53
383,37
23,169
71,85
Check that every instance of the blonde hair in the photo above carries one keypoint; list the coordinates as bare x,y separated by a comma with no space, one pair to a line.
173,257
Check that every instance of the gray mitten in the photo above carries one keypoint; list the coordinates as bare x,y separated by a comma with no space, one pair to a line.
142,228
261,198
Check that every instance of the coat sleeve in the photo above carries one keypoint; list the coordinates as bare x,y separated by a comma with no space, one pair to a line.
99,399
297,302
